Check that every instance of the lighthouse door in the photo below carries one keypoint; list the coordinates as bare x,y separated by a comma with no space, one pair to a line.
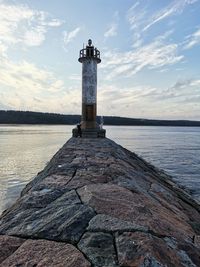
90,112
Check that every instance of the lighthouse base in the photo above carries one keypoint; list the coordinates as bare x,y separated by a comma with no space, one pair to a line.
89,133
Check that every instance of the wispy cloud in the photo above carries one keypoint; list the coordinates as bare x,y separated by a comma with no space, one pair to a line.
185,84
177,101
128,102
21,24
26,77
68,102
192,40
112,31
141,18
113,27
183,92
136,16
24,86
75,77
34,37
70,36
152,56
23,82
176,7
3,49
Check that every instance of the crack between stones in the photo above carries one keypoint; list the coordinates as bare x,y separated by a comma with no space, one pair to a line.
59,241
162,203
115,248
74,173
151,232
39,238
86,257
80,197
89,220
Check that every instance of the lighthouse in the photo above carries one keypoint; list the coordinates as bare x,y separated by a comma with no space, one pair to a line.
89,57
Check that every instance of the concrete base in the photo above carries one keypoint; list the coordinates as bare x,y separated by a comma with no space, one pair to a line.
90,133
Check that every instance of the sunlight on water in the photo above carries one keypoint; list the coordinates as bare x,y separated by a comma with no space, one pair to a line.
25,150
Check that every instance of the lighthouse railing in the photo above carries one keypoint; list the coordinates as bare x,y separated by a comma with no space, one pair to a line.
85,52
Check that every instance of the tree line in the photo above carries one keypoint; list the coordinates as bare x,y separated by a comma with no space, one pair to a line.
30,117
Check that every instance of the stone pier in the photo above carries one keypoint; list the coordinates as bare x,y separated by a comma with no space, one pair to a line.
98,204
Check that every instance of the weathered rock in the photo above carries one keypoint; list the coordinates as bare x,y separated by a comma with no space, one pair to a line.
132,184
53,223
69,198
196,239
136,208
106,223
8,245
54,182
15,216
57,179
43,253
97,194
140,249
85,177
40,198
99,249
188,253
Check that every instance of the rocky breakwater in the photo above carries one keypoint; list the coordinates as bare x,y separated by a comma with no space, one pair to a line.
98,204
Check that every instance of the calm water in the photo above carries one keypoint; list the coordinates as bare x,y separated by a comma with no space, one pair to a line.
25,150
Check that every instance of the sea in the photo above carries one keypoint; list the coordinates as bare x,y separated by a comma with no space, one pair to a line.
26,149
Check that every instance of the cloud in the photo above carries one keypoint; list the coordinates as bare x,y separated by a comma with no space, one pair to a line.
54,23
112,31
176,7
113,27
180,93
178,101
68,102
34,37
24,86
136,16
185,84
141,18
20,24
3,49
26,78
70,36
193,39
151,56
75,77
132,101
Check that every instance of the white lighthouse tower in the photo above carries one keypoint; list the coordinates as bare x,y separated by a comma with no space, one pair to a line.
89,57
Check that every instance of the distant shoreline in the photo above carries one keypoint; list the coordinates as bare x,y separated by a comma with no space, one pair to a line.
33,118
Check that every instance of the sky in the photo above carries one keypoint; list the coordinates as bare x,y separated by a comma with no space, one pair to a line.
150,51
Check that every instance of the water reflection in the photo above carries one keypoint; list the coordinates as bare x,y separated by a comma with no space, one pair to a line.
24,151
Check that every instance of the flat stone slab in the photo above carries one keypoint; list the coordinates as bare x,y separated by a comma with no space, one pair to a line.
106,223
135,208
107,206
8,245
43,253
141,249
62,224
65,219
99,248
